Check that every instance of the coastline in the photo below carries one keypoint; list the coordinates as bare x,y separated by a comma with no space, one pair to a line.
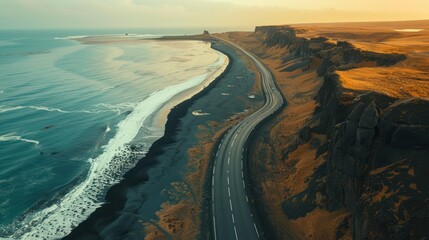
299,175
116,196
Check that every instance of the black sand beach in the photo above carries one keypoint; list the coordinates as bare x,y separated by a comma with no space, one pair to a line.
135,200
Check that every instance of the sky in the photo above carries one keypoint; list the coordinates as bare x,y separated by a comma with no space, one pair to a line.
46,14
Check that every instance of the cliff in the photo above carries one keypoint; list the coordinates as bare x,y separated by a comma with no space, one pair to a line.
375,146
373,159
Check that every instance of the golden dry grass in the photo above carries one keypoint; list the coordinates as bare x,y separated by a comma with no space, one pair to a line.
284,177
409,78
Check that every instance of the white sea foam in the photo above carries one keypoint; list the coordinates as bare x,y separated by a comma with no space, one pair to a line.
60,218
70,37
7,109
119,108
124,35
42,108
12,137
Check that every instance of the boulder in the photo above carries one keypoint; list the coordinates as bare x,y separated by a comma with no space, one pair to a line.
369,117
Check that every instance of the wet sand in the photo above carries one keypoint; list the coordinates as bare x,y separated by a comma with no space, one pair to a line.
135,201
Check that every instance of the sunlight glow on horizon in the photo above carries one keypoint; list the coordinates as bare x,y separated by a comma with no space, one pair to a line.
199,13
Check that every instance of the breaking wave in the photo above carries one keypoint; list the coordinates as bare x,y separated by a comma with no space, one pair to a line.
118,156
12,137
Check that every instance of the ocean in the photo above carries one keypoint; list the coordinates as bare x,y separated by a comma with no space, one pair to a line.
74,117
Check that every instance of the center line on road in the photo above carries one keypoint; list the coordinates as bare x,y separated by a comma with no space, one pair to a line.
214,227
236,236
256,229
244,186
229,192
232,215
227,178
229,159
230,204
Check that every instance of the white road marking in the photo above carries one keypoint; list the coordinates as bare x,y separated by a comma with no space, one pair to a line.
242,173
217,153
233,141
230,204
229,159
213,180
244,185
214,169
248,125
229,192
232,215
236,236
214,227
227,178
256,229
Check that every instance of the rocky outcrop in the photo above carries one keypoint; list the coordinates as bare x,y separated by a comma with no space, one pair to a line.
342,55
368,132
377,148
276,36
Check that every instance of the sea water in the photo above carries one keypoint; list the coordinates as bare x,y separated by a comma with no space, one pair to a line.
74,117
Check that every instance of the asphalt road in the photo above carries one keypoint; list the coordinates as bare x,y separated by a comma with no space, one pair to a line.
232,214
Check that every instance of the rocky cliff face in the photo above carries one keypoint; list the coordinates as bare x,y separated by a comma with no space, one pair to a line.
376,144
341,55
377,149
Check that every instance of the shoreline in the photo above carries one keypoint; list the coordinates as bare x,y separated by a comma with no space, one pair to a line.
180,218
115,197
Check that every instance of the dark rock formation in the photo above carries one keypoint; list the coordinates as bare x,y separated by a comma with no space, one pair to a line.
342,55
374,142
377,153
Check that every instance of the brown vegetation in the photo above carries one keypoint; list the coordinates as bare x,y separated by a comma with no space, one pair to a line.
283,164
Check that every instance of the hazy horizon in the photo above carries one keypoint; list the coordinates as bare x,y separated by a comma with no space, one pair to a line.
110,14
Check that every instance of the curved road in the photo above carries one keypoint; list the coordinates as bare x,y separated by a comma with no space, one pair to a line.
232,214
